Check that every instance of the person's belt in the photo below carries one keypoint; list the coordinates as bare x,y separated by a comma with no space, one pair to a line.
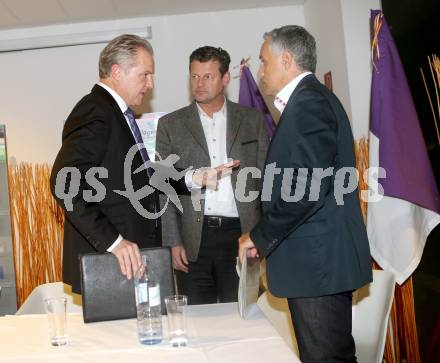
218,221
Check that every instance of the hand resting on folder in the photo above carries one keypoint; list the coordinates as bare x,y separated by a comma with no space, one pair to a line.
128,256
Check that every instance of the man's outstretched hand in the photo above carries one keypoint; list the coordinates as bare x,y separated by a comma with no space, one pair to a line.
209,177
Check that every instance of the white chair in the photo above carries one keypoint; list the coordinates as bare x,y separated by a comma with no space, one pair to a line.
34,304
371,311
277,312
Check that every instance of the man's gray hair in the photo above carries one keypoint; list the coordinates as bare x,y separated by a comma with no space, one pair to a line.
298,42
121,50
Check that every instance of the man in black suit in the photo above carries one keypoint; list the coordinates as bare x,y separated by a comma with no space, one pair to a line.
316,246
97,137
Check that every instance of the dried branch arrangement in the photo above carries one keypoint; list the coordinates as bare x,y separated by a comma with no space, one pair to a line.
362,162
37,228
434,102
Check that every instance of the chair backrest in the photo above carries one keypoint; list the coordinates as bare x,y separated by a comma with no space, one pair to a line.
108,295
34,304
371,311
277,312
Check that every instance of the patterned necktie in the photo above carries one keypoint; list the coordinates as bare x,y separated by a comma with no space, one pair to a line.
137,136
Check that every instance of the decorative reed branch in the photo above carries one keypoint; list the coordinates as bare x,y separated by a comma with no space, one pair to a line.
434,67
37,228
362,162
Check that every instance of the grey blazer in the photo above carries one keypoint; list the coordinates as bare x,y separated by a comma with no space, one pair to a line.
181,133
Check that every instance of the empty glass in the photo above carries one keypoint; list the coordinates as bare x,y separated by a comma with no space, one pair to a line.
56,314
176,316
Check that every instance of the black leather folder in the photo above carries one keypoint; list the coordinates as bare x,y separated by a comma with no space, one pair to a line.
108,295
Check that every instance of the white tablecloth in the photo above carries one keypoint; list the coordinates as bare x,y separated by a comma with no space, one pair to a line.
216,334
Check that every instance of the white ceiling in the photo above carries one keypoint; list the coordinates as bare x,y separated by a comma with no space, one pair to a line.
27,13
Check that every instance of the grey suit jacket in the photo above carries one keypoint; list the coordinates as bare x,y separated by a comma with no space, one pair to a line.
181,133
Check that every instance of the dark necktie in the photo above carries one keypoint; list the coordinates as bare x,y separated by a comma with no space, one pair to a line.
137,134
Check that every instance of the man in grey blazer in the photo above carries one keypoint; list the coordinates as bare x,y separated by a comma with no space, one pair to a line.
203,236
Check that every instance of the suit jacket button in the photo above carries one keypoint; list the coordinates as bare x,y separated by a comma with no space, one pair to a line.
198,219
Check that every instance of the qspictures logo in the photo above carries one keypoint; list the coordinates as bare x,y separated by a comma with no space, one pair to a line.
305,183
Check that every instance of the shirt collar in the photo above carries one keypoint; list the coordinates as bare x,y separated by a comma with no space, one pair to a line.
121,103
283,96
221,112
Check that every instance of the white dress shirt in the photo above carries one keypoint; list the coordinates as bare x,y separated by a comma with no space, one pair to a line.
283,96
220,202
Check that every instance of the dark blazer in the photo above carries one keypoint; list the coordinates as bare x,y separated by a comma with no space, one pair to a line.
314,247
181,133
96,134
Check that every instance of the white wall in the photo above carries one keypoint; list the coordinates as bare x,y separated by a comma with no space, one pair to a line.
323,19
342,32
356,22
38,88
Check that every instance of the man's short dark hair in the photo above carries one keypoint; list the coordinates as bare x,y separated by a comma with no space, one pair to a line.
208,53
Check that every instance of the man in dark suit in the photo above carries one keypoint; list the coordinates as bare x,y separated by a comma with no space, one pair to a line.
97,137
316,247
204,237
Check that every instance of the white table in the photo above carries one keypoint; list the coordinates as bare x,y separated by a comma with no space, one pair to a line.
216,334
